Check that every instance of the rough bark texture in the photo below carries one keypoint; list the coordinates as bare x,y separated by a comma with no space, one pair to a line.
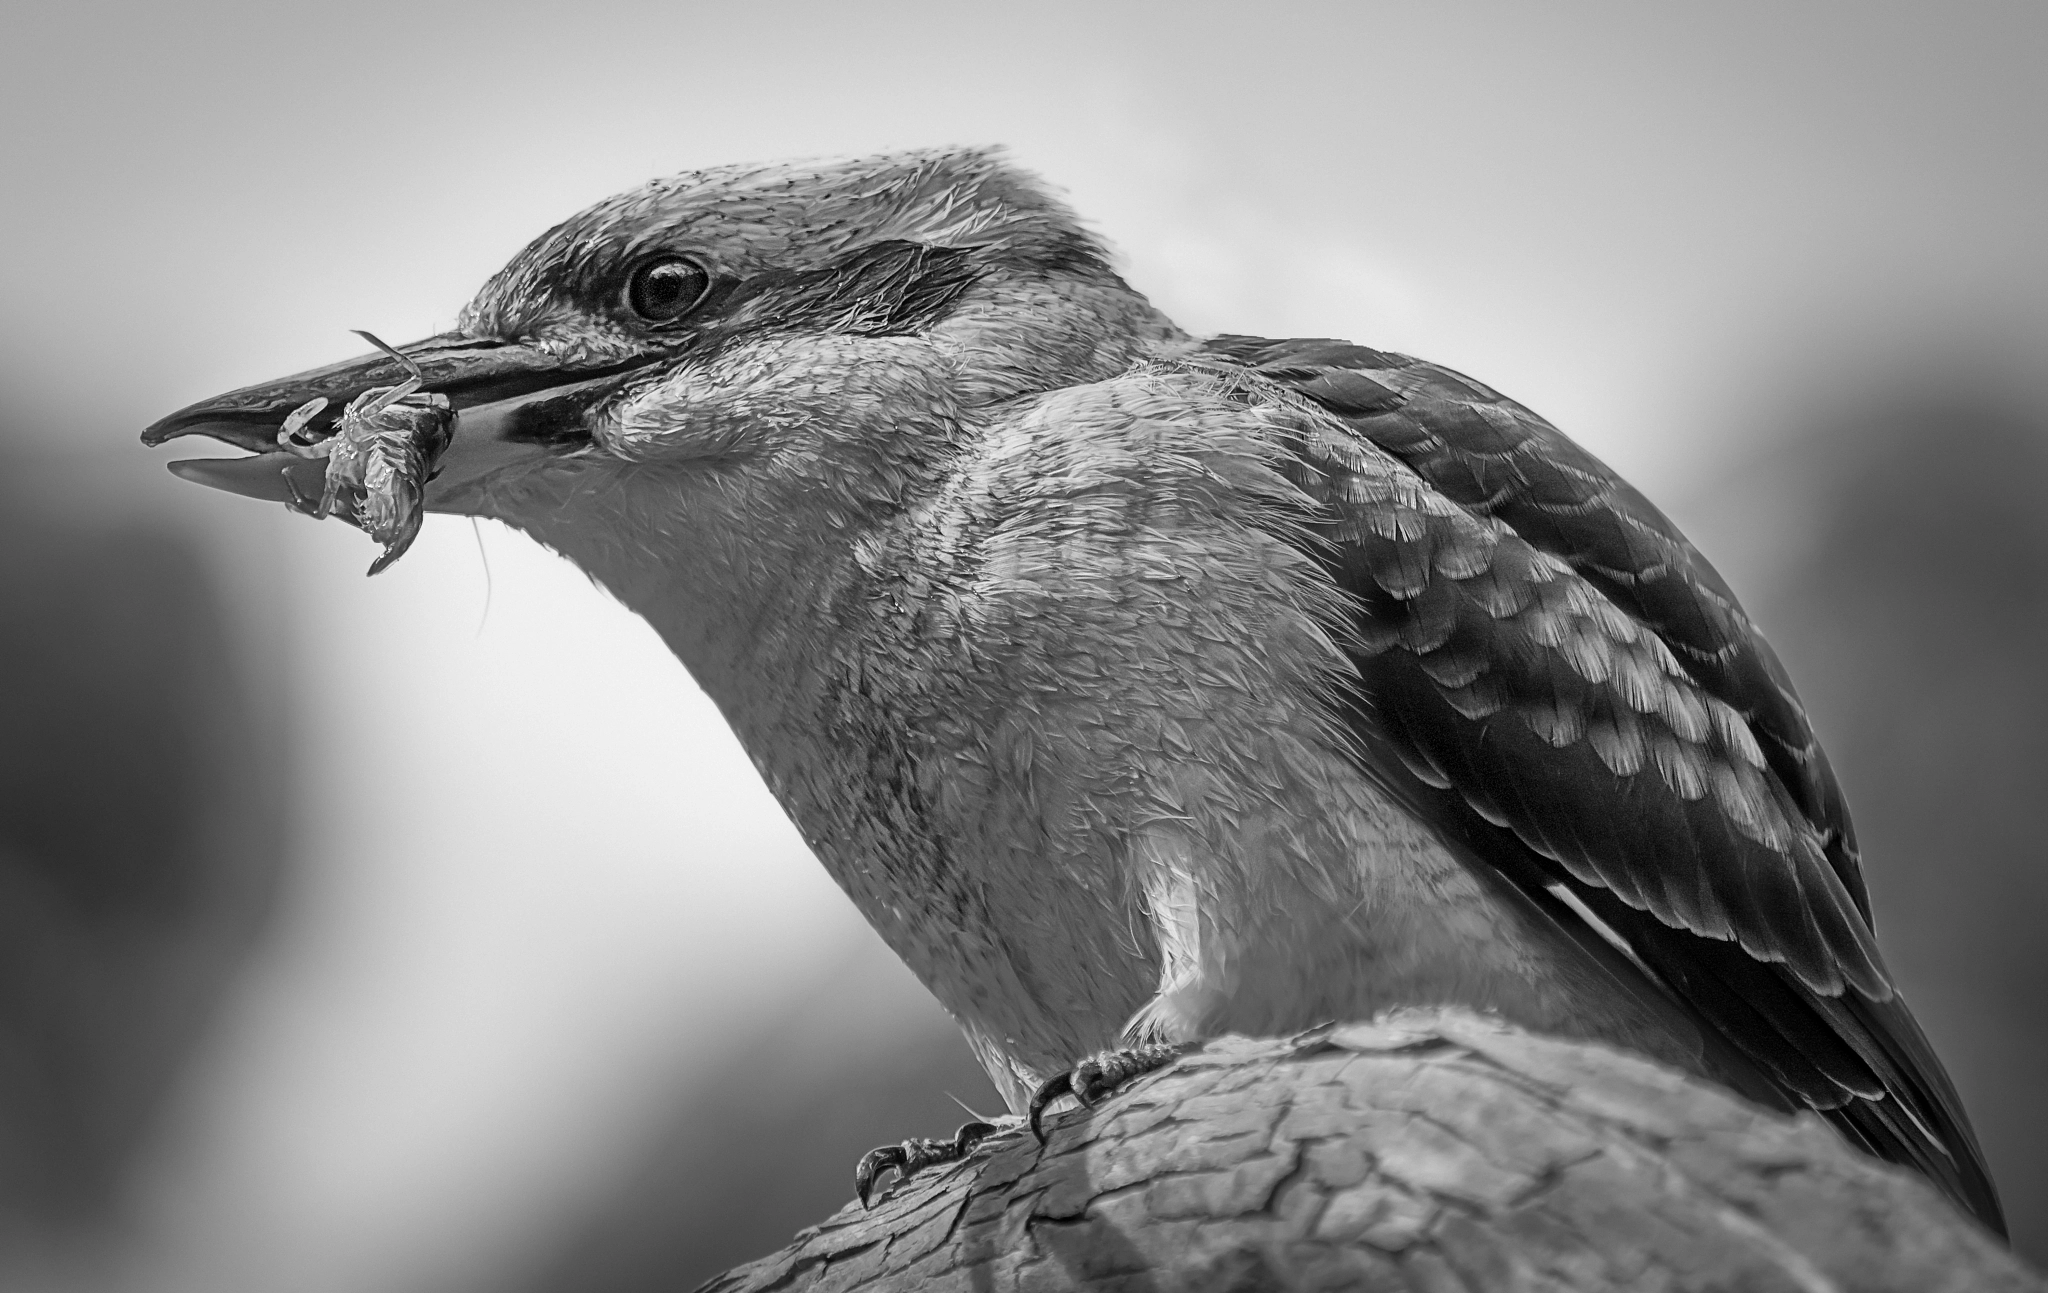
1428,1151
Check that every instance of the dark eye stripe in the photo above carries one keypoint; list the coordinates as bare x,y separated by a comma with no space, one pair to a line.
892,288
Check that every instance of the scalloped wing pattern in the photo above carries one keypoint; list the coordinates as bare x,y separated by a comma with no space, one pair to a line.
1560,683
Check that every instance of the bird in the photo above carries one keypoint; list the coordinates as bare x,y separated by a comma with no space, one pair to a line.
1141,687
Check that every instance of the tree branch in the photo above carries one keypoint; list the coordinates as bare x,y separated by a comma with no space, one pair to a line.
1431,1150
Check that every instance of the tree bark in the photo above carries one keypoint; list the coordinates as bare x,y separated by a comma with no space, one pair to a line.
1427,1151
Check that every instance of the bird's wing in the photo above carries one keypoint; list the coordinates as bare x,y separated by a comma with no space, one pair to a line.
1558,682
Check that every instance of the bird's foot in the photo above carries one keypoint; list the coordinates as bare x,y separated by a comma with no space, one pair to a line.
917,1153
1098,1076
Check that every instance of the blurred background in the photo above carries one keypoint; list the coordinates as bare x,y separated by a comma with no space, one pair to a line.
430,934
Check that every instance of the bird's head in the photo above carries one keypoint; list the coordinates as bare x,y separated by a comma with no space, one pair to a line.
761,351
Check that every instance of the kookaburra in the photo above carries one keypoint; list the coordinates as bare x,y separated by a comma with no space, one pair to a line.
1139,687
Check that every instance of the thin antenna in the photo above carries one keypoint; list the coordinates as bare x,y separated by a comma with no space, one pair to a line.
476,527
967,1108
407,360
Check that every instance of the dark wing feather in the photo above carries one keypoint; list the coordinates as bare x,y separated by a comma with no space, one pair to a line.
1561,684
1496,458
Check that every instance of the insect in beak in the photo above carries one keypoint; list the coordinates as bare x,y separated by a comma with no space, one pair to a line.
380,439
379,455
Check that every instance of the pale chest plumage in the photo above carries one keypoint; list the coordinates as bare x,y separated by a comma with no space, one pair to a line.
1083,769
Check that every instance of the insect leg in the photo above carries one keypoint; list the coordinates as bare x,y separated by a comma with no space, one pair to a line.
300,503
295,422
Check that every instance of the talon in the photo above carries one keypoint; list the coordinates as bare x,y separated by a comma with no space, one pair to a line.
970,1135
872,1164
1045,1095
911,1155
1098,1076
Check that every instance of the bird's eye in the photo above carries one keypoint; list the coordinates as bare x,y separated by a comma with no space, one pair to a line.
664,290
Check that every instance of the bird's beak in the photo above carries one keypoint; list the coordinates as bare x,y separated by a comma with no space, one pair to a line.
513,403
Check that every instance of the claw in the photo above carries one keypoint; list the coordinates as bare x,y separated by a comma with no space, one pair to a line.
914,1154
873,1164
1045,1095
972,1134
1098,1076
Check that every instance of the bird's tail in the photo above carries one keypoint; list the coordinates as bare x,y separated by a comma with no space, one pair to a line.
1864,1065
1921,1122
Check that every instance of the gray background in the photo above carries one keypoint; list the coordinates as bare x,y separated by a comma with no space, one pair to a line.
431,933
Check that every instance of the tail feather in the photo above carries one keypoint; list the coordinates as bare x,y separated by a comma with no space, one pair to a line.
1862,1064
1921,1122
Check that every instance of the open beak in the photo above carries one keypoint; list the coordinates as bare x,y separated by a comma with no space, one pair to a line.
513,404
